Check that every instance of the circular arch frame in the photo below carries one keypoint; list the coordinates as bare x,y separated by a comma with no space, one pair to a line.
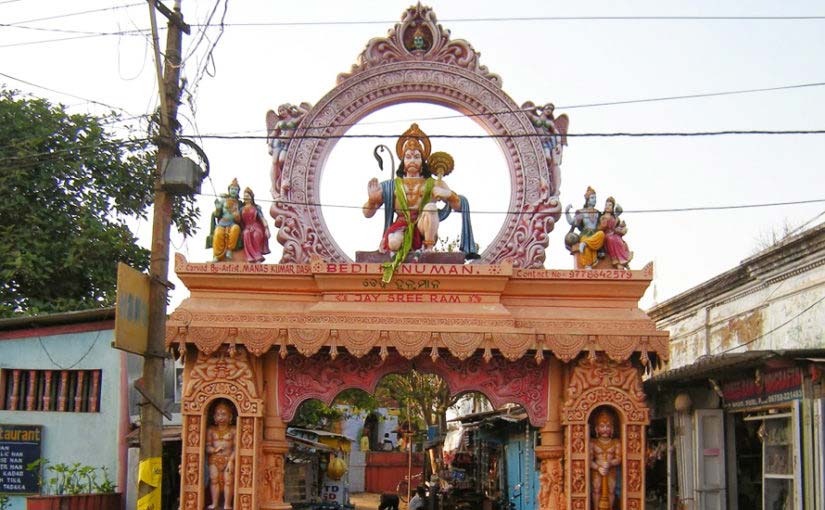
523,237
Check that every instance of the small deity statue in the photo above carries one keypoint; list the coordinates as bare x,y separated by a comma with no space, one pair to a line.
544,482
589,241
605,457
273,476
419,42
413,197
554,137
220,456
614,230
280,127
225,229
255,230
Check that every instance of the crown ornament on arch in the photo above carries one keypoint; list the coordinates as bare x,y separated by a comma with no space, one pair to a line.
419,37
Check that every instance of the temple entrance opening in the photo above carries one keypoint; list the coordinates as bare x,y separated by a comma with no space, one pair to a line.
412,432
362,294
480,174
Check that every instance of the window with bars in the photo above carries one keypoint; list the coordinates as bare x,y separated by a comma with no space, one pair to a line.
69,391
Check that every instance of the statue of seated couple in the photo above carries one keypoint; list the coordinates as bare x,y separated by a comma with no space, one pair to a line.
600,234
410,200
237,225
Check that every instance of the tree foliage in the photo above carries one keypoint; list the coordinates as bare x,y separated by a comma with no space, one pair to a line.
427,397
69,186
422,399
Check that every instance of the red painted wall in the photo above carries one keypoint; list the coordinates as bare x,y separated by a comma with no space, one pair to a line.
385,469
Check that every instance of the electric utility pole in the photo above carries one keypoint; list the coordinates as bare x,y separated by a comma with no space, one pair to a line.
151,421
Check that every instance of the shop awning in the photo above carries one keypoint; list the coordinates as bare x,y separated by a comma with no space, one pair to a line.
731,364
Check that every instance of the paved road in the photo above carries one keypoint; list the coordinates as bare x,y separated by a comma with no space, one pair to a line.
368,501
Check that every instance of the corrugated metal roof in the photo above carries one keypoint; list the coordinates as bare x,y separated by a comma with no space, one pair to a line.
728,364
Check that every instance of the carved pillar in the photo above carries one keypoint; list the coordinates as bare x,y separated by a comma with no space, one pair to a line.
273,445
226,374
191,461
597,381
245,471
551,451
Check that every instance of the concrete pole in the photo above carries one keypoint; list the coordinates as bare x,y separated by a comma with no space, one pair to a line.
151,420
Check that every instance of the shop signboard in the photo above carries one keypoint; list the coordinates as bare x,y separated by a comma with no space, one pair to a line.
19,447
768,387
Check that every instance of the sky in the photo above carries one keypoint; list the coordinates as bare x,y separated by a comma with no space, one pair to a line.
299,48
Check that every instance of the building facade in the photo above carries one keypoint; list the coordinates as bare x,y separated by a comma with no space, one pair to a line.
60,375
741,403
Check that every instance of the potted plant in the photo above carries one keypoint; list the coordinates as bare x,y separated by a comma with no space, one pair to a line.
73,487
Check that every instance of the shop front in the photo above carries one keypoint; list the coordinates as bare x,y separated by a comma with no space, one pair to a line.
490,461
743,431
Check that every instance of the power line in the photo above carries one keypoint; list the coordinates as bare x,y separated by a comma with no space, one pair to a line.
693,96
78,13
777,328
528,213
517,135
618,134
66,94
385,22
67,31
570,107
523,19
21,160
61,39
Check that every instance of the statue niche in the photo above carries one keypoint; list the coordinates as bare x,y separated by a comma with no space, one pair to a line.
605,459
220,455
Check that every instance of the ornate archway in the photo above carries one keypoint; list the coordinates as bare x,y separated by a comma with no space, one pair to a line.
446,72
268,336
502,381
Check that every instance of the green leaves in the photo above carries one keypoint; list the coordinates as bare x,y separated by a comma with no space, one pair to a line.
70,185
72,479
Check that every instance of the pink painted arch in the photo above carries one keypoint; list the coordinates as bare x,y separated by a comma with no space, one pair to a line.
389,72
501,381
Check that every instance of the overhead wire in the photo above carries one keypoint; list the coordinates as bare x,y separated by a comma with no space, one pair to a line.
92,101
77,13
528,212
777,328
616,134
63,39
69,31
224,25
530,19
517,135
203,68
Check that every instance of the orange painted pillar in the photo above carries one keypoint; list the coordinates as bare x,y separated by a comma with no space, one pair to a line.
551,451
274,444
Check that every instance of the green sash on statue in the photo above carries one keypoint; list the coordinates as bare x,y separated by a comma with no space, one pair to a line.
401,203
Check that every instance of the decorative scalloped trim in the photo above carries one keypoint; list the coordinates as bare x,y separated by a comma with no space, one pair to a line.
257,340
308,341
513,345
358,342
409,343
208,340
462,345
618,347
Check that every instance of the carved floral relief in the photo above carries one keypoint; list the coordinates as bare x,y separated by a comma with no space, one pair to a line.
501,380
226,374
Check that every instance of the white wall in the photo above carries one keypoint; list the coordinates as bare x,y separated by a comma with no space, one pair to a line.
68,437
